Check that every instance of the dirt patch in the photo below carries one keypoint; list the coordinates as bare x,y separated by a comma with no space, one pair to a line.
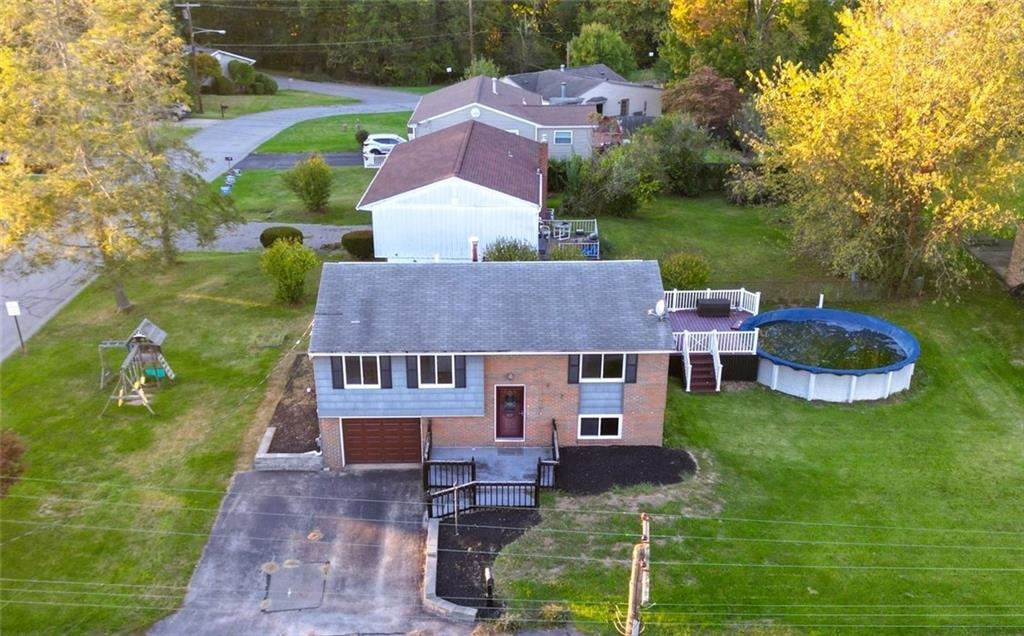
295,413
460,575
591,470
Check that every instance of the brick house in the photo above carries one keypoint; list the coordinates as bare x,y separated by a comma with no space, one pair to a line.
486,355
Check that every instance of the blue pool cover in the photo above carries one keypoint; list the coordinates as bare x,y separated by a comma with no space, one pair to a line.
848,319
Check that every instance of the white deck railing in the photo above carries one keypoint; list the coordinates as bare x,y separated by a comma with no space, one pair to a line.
713,343
568,229
686,299
727,342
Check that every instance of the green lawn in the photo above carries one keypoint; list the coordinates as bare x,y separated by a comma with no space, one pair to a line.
130,470
881,497
334,134
248,104
173,132
260,196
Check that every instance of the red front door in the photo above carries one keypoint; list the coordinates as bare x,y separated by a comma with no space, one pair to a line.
509,412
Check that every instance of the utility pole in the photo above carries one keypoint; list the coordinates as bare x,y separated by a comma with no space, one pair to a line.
186,11
568,48
639,579
472,53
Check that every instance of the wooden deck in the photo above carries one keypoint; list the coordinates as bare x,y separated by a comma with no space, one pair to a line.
688,320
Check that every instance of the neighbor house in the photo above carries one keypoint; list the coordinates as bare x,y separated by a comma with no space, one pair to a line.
224,58
596,86
420,360
567,130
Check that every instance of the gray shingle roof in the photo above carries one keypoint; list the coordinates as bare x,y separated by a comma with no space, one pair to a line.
472,151
542,307
578,80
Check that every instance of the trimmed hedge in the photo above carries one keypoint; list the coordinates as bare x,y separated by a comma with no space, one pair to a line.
223,86
264,84
278,232
359,243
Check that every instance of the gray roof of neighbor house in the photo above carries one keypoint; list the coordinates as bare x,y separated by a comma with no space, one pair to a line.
521,307
472,151
501,96
578,80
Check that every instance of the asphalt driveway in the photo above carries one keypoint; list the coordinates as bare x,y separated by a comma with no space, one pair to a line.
351,562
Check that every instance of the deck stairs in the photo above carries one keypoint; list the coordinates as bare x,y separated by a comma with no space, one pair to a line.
702,373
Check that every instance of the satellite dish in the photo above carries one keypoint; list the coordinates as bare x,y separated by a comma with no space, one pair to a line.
659,308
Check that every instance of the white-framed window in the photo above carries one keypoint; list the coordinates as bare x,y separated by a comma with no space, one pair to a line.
437,372
599,427
563,137
602,367
361,372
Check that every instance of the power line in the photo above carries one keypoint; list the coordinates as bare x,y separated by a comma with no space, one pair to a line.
578,511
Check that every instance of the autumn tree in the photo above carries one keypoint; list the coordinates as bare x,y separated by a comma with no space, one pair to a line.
906,140
708,98
82,85
600,44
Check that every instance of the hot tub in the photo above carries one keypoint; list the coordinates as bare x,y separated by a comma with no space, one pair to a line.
802,378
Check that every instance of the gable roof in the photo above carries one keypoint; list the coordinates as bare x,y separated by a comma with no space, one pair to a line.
471,151
578,80
501,96
400,308
216,52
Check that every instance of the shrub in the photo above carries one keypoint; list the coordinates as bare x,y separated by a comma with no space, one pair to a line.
241,73
712,175
361,136
679,145
566,253
359,243
508,249
481,66
224,86
12,451
268,83
745,186
207,67
257,88
287,262
272,234
615,183
310,180
685,271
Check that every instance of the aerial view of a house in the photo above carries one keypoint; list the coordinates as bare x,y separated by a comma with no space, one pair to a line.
594,85
567,130
342,351
486,375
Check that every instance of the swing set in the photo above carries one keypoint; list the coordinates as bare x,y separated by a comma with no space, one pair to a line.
143,363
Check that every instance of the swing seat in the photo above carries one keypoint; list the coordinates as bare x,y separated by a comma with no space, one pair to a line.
157,373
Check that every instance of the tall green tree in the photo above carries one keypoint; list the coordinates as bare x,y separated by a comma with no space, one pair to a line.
599,43
908,139
641,21
82,85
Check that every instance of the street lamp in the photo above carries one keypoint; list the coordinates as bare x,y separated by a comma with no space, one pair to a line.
186,10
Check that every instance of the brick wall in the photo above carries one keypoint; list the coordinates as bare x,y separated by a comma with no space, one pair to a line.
549,395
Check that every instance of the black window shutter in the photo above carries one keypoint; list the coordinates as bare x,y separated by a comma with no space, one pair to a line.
411,372
460,372
574,368
385,372
337,374
631,359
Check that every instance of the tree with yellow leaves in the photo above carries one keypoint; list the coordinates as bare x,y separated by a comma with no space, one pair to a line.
87,177
906,140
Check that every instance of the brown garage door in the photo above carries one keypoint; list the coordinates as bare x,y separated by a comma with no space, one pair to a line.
382,441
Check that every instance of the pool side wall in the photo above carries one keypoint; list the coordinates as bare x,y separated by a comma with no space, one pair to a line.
830,387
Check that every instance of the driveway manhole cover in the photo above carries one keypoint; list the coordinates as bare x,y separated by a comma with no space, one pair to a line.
296,586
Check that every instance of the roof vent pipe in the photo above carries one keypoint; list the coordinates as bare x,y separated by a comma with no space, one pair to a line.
494,85
563,89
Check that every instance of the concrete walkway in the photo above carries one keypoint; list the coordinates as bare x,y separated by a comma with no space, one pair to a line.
44,292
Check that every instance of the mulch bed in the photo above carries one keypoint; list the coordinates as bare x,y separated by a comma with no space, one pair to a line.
590,470
295,414
460,575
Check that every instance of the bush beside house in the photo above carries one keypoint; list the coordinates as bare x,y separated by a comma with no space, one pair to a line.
272,234
507,249
287,262
359,243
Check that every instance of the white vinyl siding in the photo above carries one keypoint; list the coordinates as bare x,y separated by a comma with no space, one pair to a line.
563,137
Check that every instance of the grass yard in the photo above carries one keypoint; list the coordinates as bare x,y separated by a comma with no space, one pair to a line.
334,134
94,486
808,517
174,132
248,104
260,196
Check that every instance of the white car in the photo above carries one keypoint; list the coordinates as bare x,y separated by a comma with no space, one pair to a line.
381,144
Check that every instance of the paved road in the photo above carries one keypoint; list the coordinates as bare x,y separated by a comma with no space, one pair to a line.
372,550
283,160
44,293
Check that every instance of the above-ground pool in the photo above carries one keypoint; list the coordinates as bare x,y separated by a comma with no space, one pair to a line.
832,355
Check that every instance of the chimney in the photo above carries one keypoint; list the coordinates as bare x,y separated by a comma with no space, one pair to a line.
474,242
563,89
494,85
